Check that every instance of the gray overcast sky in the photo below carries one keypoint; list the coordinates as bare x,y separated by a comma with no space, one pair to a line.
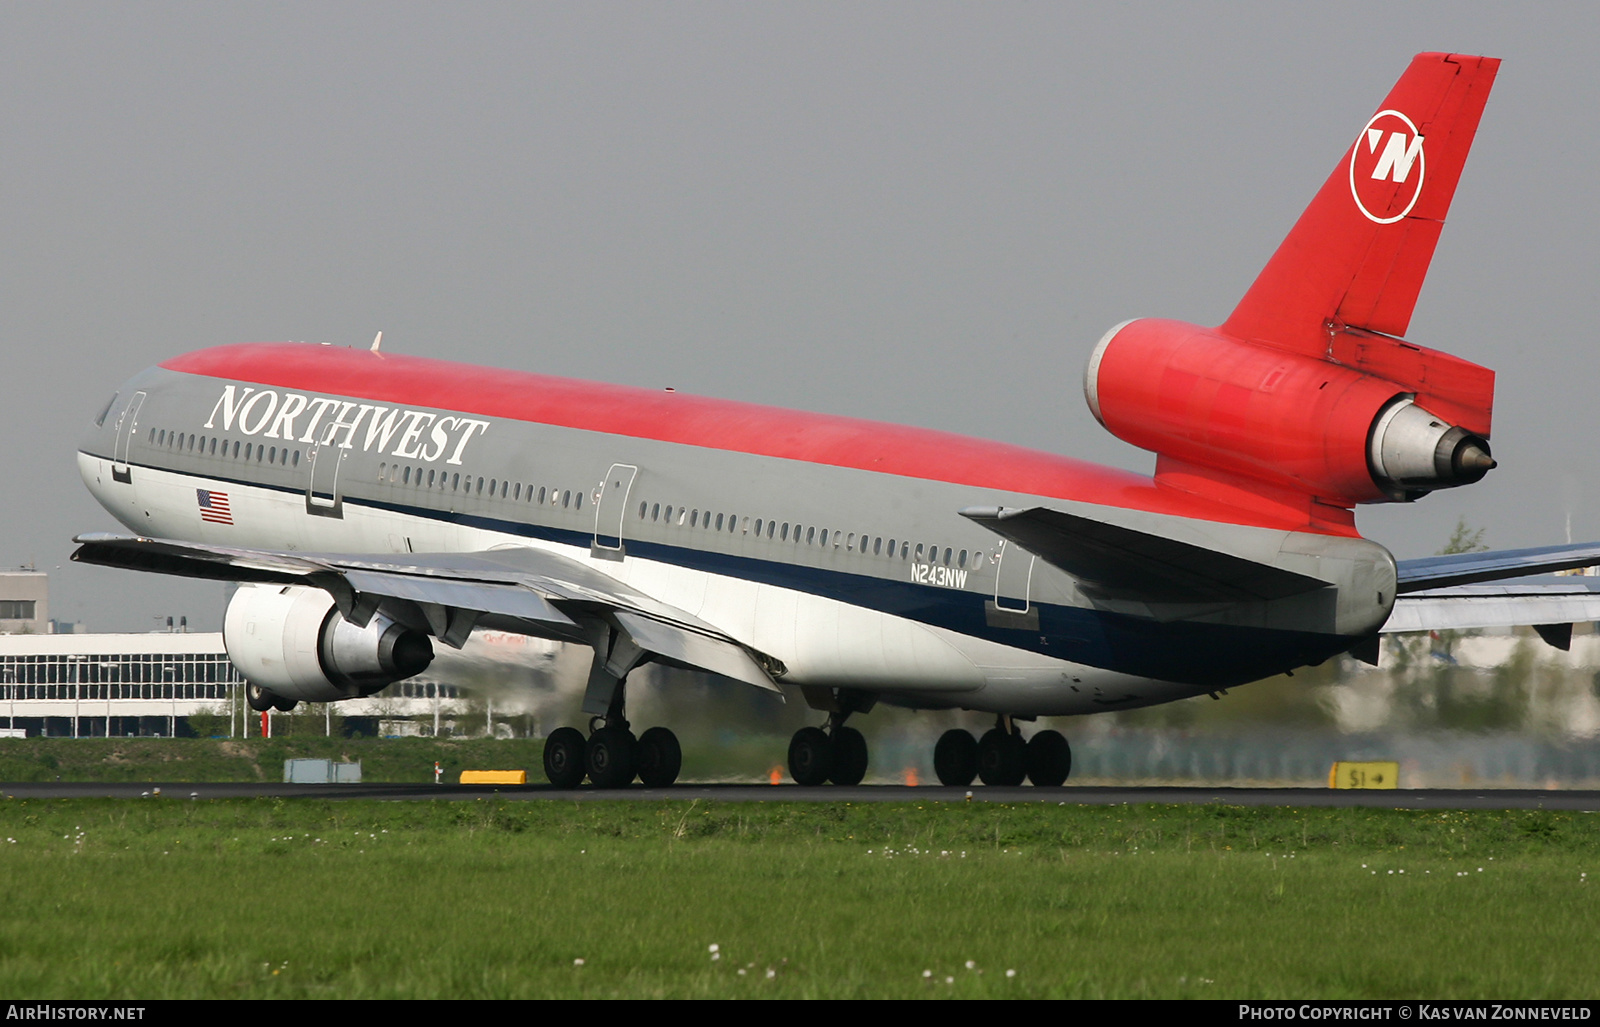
923,213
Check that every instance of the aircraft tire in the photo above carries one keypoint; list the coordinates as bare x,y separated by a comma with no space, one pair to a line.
259,698
1001,759
660,757
1049,759
611,757
849,757
563,757
283,705
955,758
810,756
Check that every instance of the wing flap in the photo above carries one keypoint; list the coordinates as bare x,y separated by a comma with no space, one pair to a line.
1532,602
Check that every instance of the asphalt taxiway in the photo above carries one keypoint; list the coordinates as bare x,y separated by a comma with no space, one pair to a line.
1406,798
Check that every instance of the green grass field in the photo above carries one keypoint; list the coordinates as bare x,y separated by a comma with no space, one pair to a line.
169,898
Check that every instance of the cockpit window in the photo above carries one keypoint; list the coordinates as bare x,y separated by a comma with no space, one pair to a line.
99,422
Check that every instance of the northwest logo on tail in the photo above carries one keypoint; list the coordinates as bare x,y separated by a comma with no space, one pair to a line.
1387,167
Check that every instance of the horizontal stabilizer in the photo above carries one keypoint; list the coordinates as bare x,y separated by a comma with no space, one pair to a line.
1112,561
1434,572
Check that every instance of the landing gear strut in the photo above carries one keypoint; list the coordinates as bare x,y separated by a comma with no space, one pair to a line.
611,757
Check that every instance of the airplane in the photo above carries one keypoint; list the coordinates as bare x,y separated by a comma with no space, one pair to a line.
372,504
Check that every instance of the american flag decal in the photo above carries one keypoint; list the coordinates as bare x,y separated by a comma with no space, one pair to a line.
214,507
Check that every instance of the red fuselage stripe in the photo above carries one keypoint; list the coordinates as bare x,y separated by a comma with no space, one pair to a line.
676,417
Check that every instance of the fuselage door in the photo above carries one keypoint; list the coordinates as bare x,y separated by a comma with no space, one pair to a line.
610,512
1013,578
322,488
127,426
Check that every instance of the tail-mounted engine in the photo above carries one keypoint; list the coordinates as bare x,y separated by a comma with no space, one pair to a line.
293,642
1337,431
1308,386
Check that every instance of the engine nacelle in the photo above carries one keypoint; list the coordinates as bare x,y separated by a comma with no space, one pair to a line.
292,641
1344,435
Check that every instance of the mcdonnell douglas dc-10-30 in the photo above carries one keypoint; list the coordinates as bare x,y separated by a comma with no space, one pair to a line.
373,504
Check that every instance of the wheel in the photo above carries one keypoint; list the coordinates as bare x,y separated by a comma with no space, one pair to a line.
660,757
955,758
1049,759
259,698
563,757
849,757
810,756
283,705
611,757
1000,758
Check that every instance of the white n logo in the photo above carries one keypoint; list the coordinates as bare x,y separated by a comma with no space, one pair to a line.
1397,158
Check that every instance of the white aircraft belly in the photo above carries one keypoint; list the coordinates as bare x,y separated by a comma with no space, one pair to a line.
821,641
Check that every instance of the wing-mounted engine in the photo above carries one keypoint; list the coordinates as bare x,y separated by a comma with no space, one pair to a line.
1337,432
293,641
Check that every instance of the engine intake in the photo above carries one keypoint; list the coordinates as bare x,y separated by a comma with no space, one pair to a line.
292,641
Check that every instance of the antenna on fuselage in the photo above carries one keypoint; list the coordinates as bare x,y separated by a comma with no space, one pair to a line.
377,340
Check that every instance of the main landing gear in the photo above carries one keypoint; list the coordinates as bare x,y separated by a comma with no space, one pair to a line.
1001,757
611,757
837,754
262,700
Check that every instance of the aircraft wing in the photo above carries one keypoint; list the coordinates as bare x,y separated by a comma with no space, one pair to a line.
1549,603
1436,572
516,589
1113,561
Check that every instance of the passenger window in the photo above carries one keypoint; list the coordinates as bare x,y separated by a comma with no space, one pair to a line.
274,455
516,494
877,546
758,526
541,495
811,535
566,499
694,518
643,509
492,484
406,477
772,526
919,552
719,522
655,513
455,482
947,556
961,561
785,535
579,504
668,515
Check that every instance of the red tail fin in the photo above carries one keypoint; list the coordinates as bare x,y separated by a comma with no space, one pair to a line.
1357,256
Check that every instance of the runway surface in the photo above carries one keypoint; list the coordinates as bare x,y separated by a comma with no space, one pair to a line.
1474,799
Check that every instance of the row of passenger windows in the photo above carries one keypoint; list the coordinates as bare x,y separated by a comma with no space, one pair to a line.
431,478
448,481
797,534
209,445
